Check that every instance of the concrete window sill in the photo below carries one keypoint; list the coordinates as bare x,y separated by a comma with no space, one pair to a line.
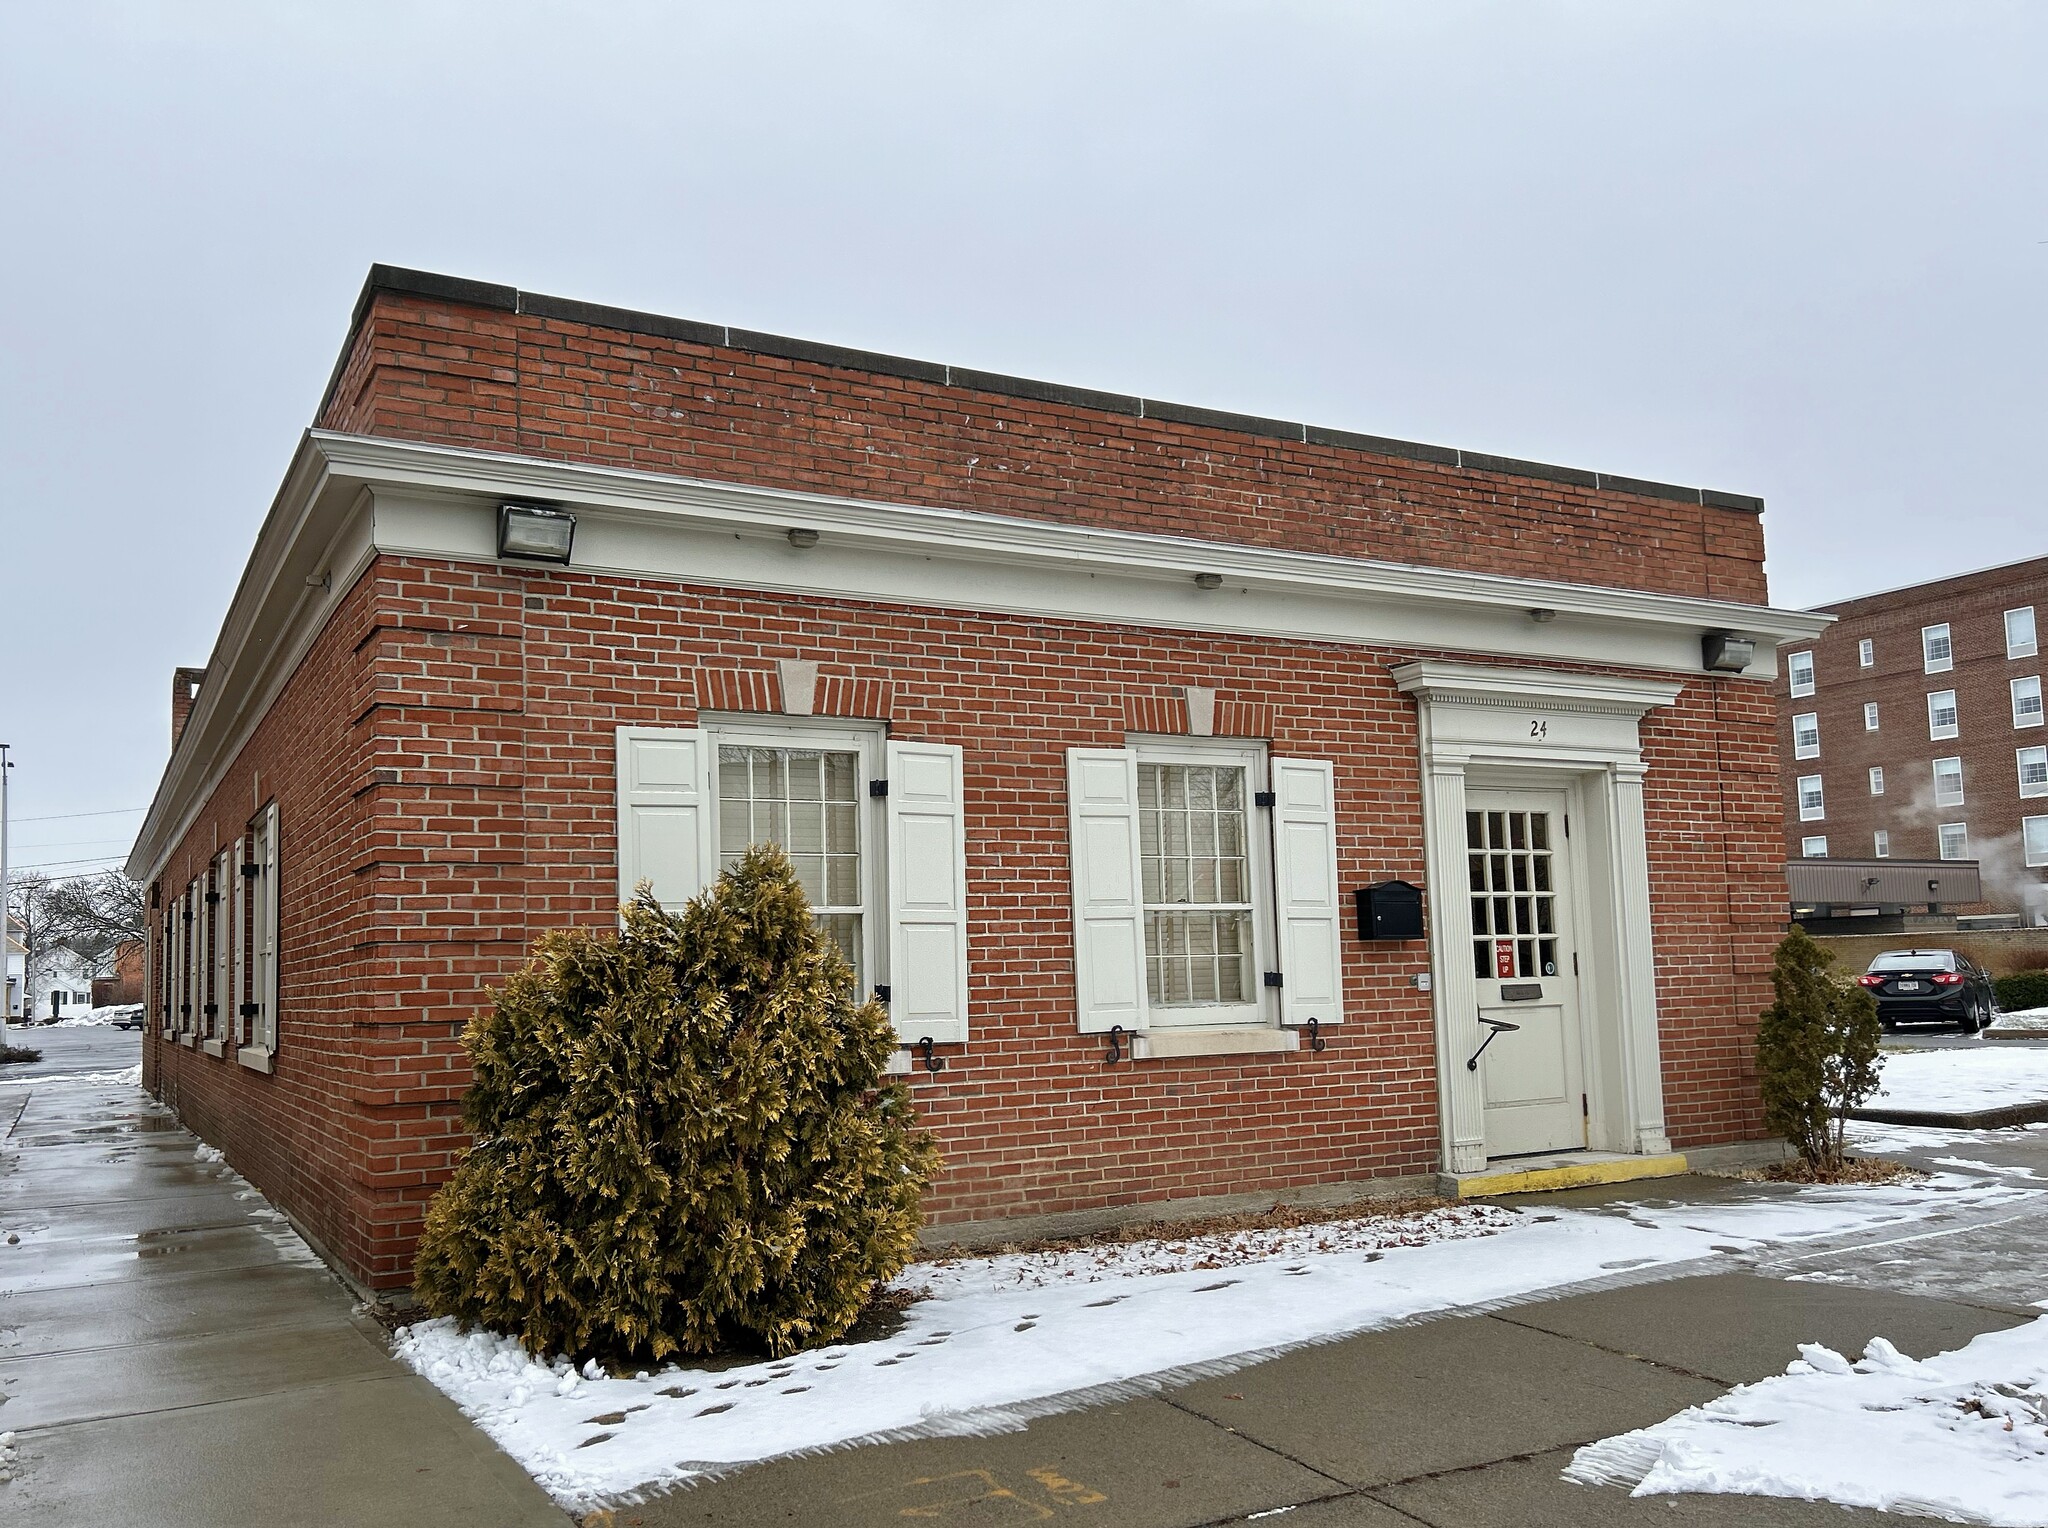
256,1058
214,1048
186,1041
1159,1044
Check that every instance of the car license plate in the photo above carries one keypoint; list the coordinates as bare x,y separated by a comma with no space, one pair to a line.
1909,986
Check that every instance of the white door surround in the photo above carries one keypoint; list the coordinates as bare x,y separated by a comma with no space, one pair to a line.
1531,729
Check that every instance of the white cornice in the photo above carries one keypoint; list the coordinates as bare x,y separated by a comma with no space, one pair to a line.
1524,689
347,497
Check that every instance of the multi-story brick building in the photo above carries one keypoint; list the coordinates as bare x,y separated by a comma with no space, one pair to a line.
1085,717
1912,728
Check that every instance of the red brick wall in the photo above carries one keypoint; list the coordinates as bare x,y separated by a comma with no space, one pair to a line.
460,799
425,369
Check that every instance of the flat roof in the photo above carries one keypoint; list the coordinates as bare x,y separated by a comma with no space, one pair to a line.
402,282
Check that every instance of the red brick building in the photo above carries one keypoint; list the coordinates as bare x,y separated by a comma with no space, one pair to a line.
1084,716
1912,729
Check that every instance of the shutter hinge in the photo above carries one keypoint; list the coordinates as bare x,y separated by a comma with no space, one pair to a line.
881,992
212,897
878,787
1575,962
1567,824
250,1010
210,1009
250,870
1265,798
1585,1110
1272,978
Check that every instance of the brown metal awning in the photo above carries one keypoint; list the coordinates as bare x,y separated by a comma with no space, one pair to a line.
1882,883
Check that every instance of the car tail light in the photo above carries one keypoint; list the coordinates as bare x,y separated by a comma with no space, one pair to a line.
1948,978
1871,981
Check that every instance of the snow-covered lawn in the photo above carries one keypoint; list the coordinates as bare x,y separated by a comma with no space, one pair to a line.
1001,1339
109,1015
1959,1436
2027,1020
1959,1081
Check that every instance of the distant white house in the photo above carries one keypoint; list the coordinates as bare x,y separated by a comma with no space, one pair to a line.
60,988
11,973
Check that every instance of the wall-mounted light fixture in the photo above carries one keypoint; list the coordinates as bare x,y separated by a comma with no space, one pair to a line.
801,536
1542,615
1208,580
535,533
1724,653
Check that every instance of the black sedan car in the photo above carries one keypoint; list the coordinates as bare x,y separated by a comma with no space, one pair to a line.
1930,987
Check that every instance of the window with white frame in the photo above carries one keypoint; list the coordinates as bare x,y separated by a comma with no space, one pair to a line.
191,963
1948,782
2019,633
1812,800
2026,701
1955,840
258,1010
1881,844
1866,654
1870,716
1177,924
1806,735
875,828
1941,714
1877,779
1937,655
2033,764
1814,848
2034,832
225,881
1799,666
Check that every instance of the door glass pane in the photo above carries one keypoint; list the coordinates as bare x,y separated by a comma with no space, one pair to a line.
1525,872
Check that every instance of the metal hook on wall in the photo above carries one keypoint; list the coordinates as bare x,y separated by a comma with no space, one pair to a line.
929,1049
1117,1051
1316,1042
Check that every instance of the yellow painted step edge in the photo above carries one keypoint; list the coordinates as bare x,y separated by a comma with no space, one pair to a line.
1537,1180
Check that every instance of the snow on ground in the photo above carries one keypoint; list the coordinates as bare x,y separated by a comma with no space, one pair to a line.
132,1074
1004,1338
2032,1020
1958,1081
108,1015
1959,1436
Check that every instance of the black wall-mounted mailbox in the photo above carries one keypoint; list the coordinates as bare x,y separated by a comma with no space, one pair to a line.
1389,910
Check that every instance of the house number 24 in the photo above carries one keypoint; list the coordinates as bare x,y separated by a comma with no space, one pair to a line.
1539,729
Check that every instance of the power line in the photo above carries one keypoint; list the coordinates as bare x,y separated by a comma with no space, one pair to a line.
112,811
90,859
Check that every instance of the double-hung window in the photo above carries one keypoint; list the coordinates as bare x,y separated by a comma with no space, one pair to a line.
1812,799
1806,735
1877,779
1866,654
1881,844
1205,892
2026,701
1941,714
2019,633
2033,763
1870,716
256,1009
1937,655
1955,840
1948,782
1799,667
2034,832
875,829
1815,847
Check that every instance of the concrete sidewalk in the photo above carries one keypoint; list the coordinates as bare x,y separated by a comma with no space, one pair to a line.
171,1355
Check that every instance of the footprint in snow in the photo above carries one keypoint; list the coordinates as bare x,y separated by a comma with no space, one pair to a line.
1023,1326
756,1383
677,1392
725,1384
885,1363
712,1411
1112,1300
596,1438
826,1368
1206,1288
1629,1262
796,1389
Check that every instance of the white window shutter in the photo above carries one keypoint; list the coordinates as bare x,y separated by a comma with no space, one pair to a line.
1109,909
1305,865
927,892
665,813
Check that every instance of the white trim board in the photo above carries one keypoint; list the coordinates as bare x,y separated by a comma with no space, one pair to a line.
348,497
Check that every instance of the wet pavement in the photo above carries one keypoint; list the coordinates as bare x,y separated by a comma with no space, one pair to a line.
172,1354
72,1048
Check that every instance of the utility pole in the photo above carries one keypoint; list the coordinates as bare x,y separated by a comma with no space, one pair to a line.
6,924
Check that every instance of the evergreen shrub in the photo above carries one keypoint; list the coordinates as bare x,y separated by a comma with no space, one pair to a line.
684,1140
1816,1052
2021,990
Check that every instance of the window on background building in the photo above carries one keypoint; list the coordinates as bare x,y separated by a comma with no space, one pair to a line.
1877,779
1866,654
1814,848
1881,844
1948,782
1941,714
2034,830
2033,771
1870,716
1806,736
1955,841
2019,633
2026,701
1800,667
1937,656
1812,800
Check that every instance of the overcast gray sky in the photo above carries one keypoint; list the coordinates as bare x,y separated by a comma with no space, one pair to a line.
1792,250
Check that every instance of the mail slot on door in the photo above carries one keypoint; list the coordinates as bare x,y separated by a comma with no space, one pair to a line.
1521,992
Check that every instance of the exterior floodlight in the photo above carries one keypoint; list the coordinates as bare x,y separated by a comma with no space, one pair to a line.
801,536
535,533
1721,653
1208,580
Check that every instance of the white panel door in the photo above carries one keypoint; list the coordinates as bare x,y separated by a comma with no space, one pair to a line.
1532,1077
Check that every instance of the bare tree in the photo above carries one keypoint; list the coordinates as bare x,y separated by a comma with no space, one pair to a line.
93,916
29,897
